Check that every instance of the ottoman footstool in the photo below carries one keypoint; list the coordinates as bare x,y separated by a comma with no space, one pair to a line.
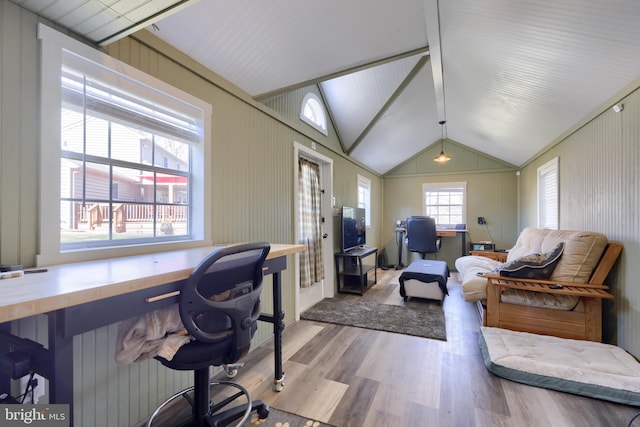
425,279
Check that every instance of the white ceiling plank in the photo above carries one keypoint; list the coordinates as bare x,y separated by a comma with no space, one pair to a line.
355,99
513,75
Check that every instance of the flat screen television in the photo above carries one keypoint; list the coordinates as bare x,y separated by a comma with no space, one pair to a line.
354,228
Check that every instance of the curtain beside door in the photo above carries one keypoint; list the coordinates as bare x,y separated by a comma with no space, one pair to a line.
310,223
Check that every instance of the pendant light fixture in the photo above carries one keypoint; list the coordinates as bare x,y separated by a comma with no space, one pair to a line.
442,157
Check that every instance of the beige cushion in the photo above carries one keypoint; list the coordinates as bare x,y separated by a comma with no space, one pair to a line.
474,287
582,250
539,299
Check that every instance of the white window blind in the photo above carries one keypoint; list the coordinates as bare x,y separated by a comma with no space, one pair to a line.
548,193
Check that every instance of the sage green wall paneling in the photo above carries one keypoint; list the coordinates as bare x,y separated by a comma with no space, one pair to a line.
600,191
345,171
288,104
491,194
345,187
107,394
19,150
463,159
18,136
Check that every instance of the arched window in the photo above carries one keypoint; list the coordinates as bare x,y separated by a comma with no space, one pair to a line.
312,112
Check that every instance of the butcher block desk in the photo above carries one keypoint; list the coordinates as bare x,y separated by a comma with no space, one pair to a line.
81,297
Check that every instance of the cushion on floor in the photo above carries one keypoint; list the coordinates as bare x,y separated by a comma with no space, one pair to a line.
585,368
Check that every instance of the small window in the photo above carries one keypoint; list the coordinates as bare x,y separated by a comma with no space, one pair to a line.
548,192
312,112
445,202
364,197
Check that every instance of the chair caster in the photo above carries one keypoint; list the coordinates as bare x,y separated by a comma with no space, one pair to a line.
278,385
263,412
231,370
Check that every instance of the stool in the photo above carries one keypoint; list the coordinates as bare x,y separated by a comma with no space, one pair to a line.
425,279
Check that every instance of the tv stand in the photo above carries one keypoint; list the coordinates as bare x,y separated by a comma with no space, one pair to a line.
352,274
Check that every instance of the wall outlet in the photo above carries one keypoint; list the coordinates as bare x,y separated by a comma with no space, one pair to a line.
481,220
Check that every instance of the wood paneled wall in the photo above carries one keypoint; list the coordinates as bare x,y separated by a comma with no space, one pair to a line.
600,191
491,194
252,193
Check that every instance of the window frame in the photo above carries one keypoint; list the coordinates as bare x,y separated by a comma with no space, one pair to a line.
321,124
53,44
441,186
364,197
548,202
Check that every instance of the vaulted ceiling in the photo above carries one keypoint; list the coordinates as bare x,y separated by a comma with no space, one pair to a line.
508,76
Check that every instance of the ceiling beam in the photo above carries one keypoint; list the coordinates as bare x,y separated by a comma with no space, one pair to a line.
432,21
420,51
169,10
414,72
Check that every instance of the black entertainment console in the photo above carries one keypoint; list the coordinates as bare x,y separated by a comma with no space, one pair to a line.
352,274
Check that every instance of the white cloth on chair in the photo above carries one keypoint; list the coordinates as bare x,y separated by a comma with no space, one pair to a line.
157,333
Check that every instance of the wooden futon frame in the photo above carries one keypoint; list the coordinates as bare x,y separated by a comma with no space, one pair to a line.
583,322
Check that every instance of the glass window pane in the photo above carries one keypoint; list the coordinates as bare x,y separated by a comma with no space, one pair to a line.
72,131
171,154
446,205
133,220
98,183
127,143
132,184
97,136
456,199
83,222
172,220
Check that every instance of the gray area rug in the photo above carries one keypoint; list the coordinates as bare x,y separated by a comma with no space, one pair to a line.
427,321
278,418
178,413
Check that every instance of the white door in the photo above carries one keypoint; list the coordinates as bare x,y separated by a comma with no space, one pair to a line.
307,297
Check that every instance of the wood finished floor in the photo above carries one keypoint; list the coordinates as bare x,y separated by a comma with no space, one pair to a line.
351,377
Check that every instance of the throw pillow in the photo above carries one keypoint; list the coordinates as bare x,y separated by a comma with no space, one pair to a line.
534,266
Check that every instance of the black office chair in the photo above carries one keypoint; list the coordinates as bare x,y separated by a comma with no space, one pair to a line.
219,307
421,235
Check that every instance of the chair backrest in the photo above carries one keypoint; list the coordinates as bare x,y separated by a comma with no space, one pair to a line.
221,299
421,234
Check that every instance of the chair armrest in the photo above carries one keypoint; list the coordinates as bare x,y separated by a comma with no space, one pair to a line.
550,286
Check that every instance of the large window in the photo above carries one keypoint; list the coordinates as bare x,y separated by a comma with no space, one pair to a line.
130,149
364,197
445,202
548,195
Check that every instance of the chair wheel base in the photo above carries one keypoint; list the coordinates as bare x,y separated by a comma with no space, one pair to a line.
263,411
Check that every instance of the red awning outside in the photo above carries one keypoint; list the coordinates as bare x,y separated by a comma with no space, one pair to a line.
163,178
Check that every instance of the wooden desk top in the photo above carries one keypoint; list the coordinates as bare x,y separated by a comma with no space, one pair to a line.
67,285
449,232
